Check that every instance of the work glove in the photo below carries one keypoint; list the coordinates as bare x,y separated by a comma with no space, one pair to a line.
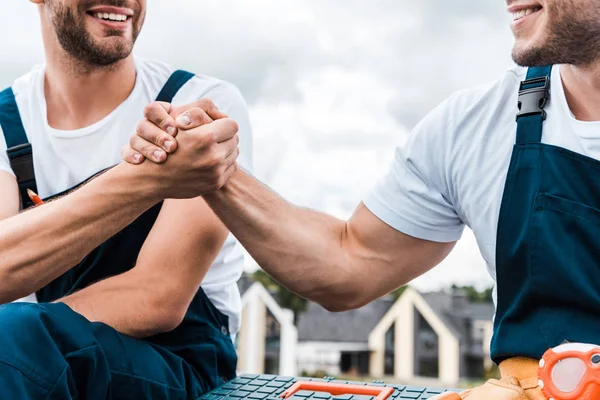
507,388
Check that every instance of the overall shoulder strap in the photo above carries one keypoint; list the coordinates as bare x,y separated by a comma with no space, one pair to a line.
18,148
173,84
534,95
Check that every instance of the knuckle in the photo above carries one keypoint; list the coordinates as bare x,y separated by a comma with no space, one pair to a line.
142,128
233,125
214,162
205,103
151,109
208,139
133,139
159,140
211,137
147,150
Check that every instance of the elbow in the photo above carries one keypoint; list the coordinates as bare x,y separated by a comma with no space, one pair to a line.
346,297
166,314
341,305
164,321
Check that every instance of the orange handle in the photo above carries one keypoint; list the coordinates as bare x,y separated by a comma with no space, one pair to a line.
335,389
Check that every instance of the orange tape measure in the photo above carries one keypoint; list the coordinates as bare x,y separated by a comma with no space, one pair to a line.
571,372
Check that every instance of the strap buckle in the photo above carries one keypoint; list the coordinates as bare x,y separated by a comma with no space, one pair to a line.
533,100
21,161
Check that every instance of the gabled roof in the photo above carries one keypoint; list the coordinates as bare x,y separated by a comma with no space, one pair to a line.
456,311
318,324
483,311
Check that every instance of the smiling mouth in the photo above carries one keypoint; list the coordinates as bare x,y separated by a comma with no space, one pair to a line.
112,17
517,15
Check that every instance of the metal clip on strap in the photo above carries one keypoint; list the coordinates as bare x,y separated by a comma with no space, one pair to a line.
21,161
532,100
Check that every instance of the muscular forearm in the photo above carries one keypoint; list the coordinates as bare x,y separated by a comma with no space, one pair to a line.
39,245
303,249
127,303
155,295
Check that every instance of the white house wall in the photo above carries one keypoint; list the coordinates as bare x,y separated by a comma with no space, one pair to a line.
402,312
488,331
316,356
256,300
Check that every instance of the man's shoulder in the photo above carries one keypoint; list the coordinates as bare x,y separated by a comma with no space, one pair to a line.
471,117
156,73
499,95
26,83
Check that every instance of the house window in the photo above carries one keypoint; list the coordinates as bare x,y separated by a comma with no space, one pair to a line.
426,348
355,363
272,344
390,341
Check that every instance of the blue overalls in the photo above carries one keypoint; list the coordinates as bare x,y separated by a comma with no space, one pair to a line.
47,351
548,247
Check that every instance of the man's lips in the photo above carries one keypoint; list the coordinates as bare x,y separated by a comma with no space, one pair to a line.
111,10
520,11
112,17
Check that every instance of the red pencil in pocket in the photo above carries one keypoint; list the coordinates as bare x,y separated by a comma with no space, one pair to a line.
34,197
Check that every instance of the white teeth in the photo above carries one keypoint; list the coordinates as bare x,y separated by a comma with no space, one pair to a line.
112,17
523,13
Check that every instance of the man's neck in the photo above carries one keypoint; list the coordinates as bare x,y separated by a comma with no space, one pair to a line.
77,97
582,90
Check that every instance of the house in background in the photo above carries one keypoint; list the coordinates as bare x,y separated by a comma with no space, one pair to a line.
436,335
337,343
267,342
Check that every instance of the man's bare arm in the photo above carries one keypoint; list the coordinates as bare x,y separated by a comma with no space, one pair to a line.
41,244
153,297
9,205
341,265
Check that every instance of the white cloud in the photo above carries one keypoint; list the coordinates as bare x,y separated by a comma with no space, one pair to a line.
333,86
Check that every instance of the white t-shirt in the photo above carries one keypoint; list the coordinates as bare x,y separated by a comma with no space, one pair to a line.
62,159
451,171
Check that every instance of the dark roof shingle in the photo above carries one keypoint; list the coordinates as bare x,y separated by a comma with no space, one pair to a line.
318,324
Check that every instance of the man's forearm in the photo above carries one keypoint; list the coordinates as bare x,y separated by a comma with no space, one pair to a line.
41,244
302,249
130,303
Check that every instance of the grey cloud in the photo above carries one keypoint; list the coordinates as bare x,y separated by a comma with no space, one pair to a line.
264,59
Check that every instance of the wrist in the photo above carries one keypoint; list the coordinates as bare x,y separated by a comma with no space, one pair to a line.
145,181
228,190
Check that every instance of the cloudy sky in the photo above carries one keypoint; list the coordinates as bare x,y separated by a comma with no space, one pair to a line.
333,86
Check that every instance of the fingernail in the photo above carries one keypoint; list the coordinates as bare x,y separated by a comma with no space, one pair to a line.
157,154
137,157
171,130
168,145
184,120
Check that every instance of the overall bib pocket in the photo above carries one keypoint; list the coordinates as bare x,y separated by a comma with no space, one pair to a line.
565,264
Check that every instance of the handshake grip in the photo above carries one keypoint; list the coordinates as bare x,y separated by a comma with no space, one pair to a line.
191,150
